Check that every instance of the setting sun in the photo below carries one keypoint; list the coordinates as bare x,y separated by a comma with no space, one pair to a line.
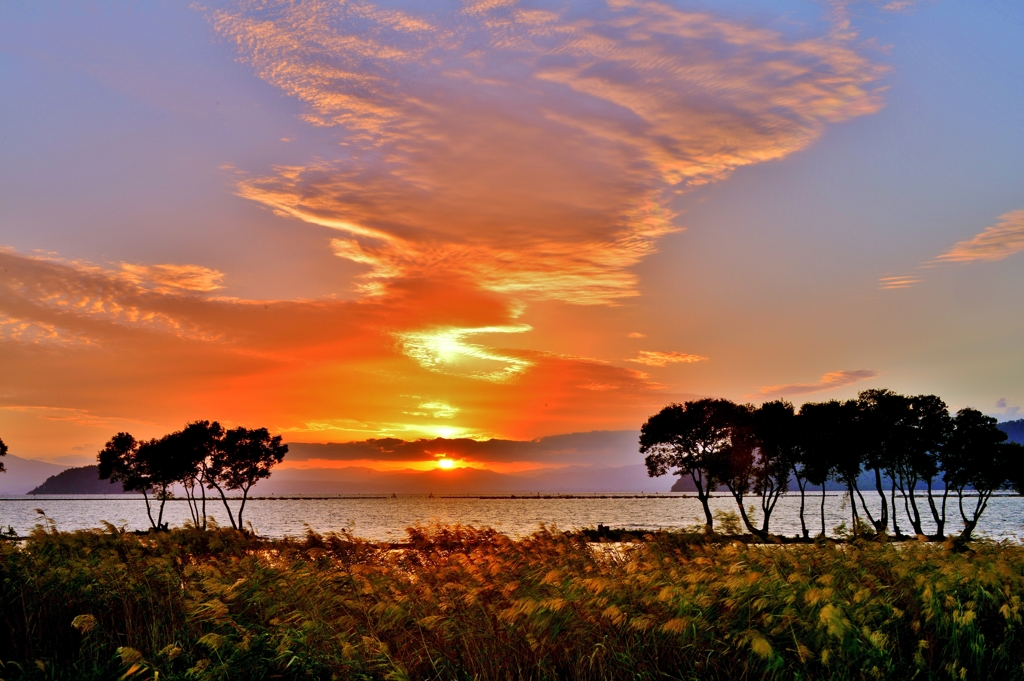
446,464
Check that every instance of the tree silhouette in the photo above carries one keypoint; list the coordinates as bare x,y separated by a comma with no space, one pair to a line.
687,439
735,464
931,426
195,446
975,456
119,462
885,435
832,448
162,463
3,453
243,457
906,441
777,430
1013,455
750,464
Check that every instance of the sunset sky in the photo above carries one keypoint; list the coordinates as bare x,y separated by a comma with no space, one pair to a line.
499,219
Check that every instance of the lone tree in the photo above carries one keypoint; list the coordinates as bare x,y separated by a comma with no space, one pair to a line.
243,456
3,453
688,439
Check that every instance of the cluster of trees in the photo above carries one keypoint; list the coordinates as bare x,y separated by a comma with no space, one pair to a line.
3,453
905,442
202,456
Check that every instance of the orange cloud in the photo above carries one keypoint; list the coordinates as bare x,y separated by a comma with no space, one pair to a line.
997,242
108,351
829,381
166,278
898,282
530,153
488,156
660,359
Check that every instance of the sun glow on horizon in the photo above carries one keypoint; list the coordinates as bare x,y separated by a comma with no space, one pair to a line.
385,466
445,464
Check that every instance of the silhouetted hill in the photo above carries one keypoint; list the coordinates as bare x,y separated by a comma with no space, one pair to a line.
81,480
1015,429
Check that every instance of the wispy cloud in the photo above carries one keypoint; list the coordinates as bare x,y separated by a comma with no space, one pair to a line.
997,242
659,359
174,277
900,5
530,153
889,283
829,381
80,417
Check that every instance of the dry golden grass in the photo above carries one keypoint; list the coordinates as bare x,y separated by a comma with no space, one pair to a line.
463,603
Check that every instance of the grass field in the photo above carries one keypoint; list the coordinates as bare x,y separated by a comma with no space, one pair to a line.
463,603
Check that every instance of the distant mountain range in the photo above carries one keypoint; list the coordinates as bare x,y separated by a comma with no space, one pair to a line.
362,480
602,450
1015,429
24,474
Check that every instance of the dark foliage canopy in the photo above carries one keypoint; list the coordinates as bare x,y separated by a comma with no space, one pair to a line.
901,442
198,457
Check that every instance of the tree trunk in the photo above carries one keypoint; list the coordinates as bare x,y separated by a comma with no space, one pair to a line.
738,496
202,491
163,501
853,508
882,524
769,499
190,499
241,508
802,485
823,510
867,511
892,502
224,499
970,524
940,519
149,510
698,480
910,504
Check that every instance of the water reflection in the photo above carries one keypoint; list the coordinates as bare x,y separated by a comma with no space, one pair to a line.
384,518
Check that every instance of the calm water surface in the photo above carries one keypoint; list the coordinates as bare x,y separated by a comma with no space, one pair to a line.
385,518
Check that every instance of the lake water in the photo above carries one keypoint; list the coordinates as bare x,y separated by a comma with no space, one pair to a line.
385,518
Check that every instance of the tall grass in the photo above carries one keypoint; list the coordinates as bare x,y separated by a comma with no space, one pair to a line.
464,603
